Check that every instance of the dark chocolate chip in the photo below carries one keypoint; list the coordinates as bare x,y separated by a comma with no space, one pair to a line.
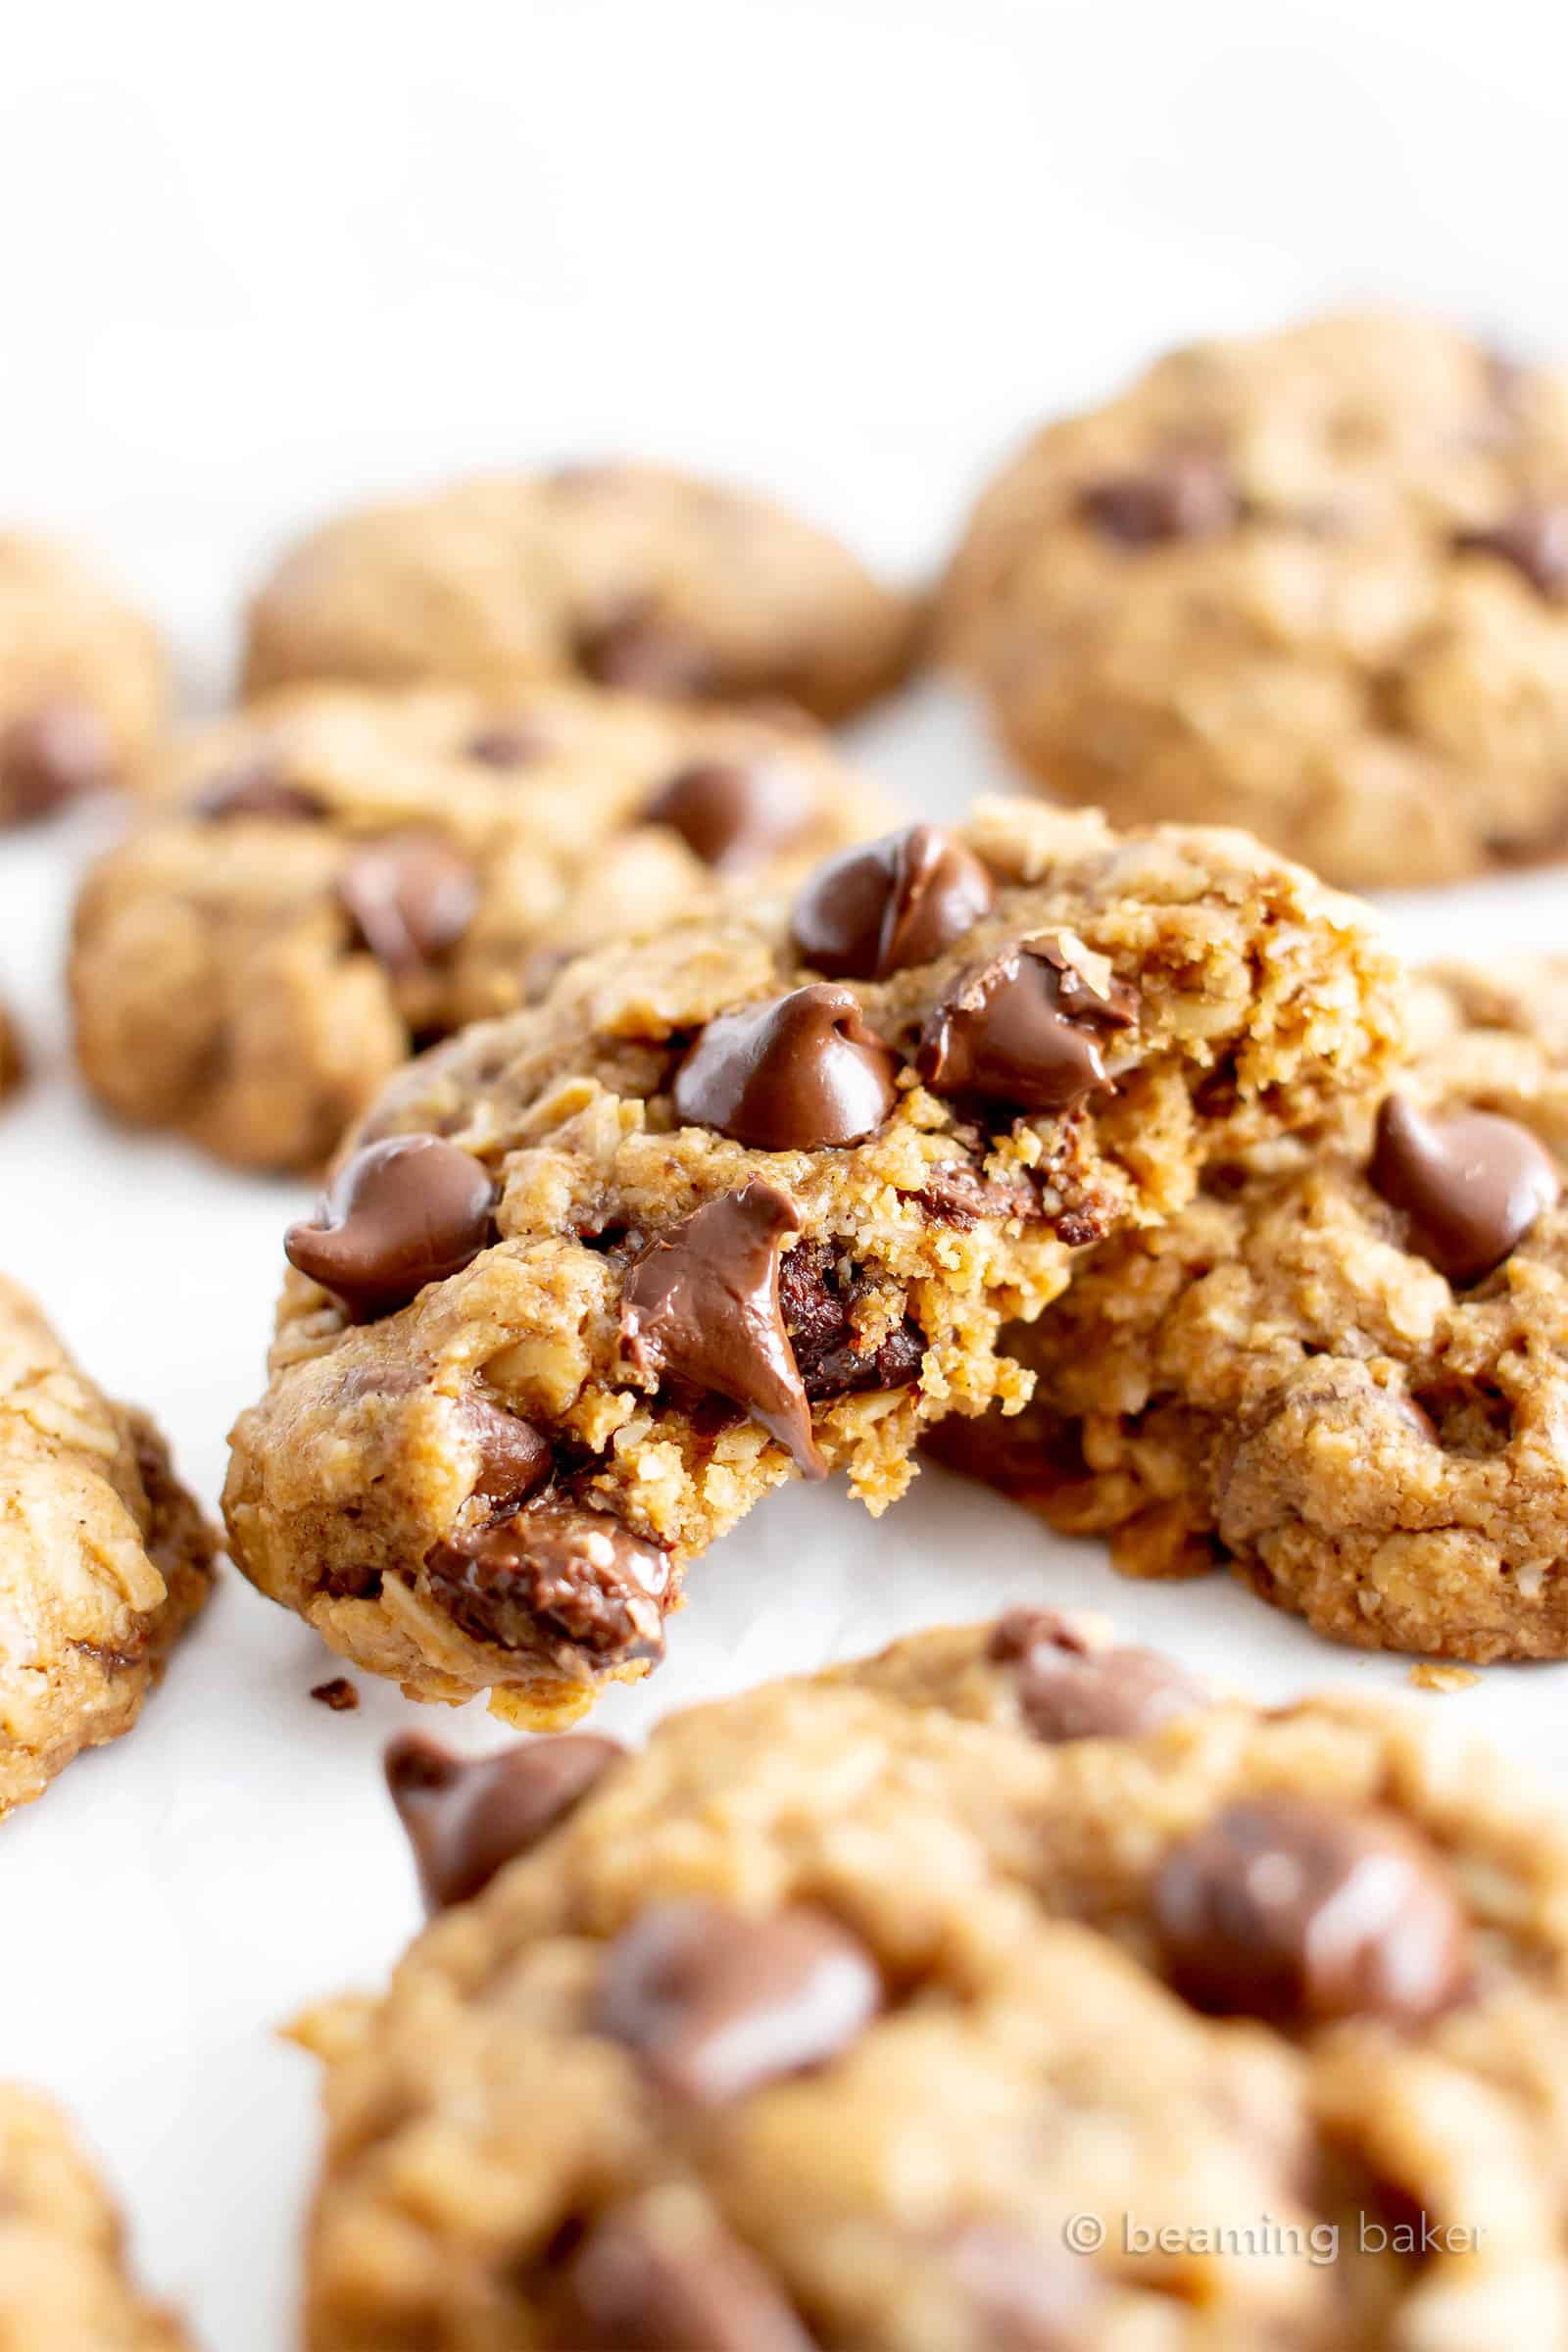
640,2285
50,756
1072,1689
1188,495
789,1074
399,1214
1026,1030
555,1573
1534,539
732,816
958,1194
256,788
639,652
1296,1911
1471,1184
410,896
514,1458
896,901
818,1305
466,1818
339,1695
714,2004
701,1303
506,747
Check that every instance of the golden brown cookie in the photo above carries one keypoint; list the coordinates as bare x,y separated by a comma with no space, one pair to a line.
64,2285
84,681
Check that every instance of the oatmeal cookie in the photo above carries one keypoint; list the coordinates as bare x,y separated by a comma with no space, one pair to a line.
341,873
64,2282
1008,1989
632,576
1313,583
104,1558
754,1197
1344,1373
84,681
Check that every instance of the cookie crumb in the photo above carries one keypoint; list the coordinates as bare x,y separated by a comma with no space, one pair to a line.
1427,1677
339,1695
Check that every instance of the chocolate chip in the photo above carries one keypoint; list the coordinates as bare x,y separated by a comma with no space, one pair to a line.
50,756
514,1458
411,898
789,1074
714,2004
1070,1687
818,1305
1471,1184
1187,495
959,1196
1026,1029
730,816
399,1214
506,747
466,1818
639,652
1294,1910
1534,539
639,2286
558,1572
256,788
898,902
339,1695
701,1303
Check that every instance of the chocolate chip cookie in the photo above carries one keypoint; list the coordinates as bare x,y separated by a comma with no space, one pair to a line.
1314,583
753,1199
341,874
65,2284
84,681
1007,1990
631,577
104,1558
1344,1373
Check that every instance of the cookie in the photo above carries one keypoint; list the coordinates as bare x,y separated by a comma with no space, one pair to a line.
13,1056
631,577
1342,1373
341,874
752,1199
1314,583
1010,1988
84,682
65,2284
104,1558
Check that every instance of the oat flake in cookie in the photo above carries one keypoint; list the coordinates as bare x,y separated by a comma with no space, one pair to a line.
64,2281
84,682
630,576
840,2016
1344,1372
338,874
590,1279
1314,583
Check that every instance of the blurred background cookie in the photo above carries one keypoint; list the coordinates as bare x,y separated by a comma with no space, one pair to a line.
84,681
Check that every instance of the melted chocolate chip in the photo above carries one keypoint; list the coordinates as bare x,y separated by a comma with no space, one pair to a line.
258,788
411,898
506,747
639,2284
1295,1911
714,2004
1534,539
555,1573
466,1818
898,902
399,1214
640,653
1471,1184
701,1303
789,1075
514,1458
1026,1030
50,756
1188,495
959,1196
731,817
818,1306
1072,1689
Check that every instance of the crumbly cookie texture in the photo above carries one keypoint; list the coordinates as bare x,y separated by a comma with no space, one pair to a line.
84,682
629,575
104,1557
1314,583
64,2282
590,1279
1005,1989
1344,1372
340,873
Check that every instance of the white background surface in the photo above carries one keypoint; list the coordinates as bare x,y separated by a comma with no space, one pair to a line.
256,262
